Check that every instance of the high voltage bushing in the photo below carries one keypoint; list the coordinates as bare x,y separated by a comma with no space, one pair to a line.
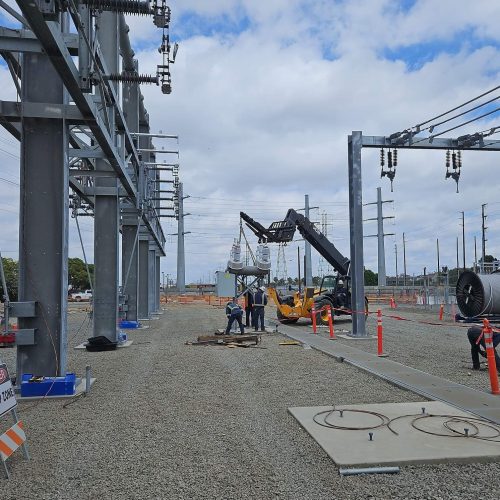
131,77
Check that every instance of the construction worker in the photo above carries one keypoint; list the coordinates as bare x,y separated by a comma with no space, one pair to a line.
249,307
476,339
341,294
234,312
260,300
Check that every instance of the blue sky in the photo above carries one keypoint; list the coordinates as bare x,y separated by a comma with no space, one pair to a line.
265,94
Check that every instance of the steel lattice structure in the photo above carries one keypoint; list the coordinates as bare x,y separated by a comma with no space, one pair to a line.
82,124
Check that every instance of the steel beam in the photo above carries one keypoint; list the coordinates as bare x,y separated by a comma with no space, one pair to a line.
130,220
15,111
43,234
106,210
380,141
151,279
356,235
143,310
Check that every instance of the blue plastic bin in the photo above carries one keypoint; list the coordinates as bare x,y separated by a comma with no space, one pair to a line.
129,324
49,386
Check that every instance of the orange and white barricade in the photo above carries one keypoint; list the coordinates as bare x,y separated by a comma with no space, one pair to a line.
14,437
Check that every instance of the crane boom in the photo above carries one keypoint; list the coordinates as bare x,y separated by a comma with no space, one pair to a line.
283,231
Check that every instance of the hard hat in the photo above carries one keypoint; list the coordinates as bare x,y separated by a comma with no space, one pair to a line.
340,282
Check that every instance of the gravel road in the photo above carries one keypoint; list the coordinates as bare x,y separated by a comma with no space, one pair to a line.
167,420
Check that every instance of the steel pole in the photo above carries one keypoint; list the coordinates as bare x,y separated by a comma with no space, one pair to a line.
307,249
43,222
356,235
382,278
107,206
181,266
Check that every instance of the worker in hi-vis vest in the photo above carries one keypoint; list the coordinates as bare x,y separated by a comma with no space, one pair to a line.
234,313
259,301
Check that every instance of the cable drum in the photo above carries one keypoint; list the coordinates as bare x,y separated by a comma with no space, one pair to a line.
478,293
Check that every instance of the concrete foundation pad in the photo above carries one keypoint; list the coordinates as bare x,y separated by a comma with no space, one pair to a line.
81,387
350,337
128,343
353,448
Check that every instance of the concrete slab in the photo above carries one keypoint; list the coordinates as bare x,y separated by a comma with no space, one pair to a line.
353,448
128,343
81,387
465,398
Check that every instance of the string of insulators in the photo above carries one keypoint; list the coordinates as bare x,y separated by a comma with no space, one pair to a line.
132,77
392,161
456,164
137,7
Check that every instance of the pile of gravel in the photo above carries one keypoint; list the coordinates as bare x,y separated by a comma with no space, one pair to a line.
175,421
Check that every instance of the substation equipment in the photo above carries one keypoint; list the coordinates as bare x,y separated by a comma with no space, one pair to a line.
82,124
399,140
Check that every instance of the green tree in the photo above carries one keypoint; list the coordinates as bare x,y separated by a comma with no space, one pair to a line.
11,270
371,278
77,274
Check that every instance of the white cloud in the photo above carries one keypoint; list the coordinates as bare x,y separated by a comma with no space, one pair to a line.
263,116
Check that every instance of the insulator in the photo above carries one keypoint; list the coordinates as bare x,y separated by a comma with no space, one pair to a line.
454,160
138,7
459,160
389,159
447,159
395,158
131,77
382,157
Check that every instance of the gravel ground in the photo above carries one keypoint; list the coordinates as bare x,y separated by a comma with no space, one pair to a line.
442,350
170,421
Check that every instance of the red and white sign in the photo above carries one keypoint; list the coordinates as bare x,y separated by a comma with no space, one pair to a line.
7,396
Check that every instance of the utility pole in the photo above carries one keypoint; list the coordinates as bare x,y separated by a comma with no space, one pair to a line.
404,260
396,252
438,268
307,248
307,252
382,278
298,265
475,255
458,264
181,263
463,237
483,237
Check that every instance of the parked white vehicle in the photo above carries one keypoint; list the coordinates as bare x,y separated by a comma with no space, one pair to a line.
81,296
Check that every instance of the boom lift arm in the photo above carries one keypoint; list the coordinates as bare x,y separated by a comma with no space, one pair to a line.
283,231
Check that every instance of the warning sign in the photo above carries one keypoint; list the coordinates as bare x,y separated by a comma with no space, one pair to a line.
7,396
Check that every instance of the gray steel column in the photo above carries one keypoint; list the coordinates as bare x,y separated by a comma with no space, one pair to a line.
43,222
356,234
382,279
143,311
308,263
151,278
157,283
130,268
181,266
130,215
106,208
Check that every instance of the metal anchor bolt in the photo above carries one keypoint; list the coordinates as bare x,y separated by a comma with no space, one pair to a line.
371,436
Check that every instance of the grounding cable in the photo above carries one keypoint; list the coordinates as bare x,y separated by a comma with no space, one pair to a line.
473,430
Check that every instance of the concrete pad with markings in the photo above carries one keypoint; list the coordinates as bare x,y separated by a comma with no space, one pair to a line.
353,448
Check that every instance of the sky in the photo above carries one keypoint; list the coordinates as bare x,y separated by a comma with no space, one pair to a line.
264,97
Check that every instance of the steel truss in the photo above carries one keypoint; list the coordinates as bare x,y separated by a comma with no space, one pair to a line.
356,142
76,131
